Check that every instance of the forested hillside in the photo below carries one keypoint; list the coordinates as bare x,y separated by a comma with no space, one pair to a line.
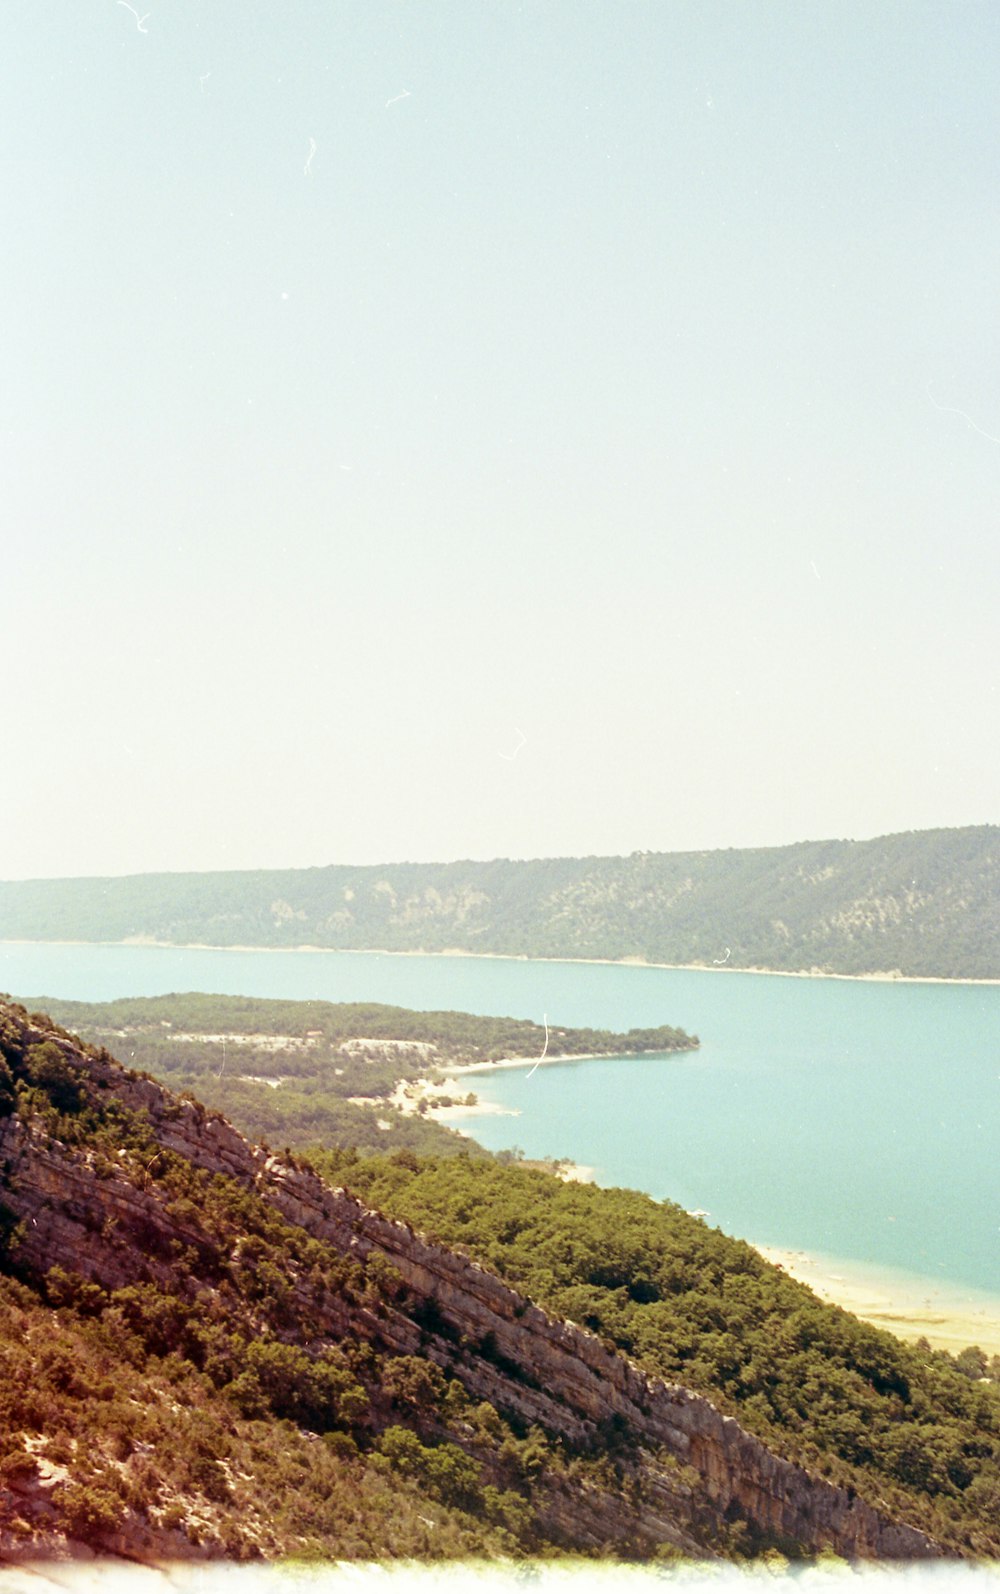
185,1371
207,1349
706,1311
922,903
303,1073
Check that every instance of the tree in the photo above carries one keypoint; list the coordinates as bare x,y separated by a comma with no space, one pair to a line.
973,1362
48,1069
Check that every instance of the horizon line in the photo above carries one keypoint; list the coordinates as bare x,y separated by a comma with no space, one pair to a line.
442,863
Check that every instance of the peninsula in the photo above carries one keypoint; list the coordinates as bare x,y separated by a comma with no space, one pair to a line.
362,1074
213,1350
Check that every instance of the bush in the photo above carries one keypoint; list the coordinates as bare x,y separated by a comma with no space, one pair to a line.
11,1228
412,1381
341,1445
16,1463
402,1449
8,1094
91,1511
208,1475
47,1068
452,1476
443,1470
508,1510
317,1391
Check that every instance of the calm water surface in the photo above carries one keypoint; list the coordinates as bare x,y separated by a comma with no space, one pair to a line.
859,1119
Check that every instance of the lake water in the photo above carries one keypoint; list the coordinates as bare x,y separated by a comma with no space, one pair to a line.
859,1119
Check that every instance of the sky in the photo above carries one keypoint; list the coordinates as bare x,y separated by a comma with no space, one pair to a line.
440,429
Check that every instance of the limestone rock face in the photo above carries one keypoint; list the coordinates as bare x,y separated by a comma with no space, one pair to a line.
692,1464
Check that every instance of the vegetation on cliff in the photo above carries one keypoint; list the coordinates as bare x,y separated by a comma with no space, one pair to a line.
303,1073
709,1312
918,903
191,1362
113,1440
208,1405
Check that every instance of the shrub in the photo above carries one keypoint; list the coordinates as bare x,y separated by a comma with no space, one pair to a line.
47,1068
16,1463
402,1449
11,1228
91,1511
507,1509
315,1391
8,1094
412,1381
452,1476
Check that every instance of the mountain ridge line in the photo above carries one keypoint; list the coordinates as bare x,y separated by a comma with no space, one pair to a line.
917,905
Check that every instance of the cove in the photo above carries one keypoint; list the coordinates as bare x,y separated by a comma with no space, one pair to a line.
859,1119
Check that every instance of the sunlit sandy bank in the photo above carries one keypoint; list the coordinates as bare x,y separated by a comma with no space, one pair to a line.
436,1097
429,1096
949,1316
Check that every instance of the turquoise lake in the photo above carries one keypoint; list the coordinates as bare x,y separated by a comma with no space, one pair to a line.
859,1119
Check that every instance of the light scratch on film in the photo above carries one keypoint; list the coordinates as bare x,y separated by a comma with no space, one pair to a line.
397,97
725,959
948,409
545,1021
309,157
138,20
522,743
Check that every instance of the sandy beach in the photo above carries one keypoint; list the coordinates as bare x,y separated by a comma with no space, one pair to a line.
949,1316
538,1062
416,1095
410,1093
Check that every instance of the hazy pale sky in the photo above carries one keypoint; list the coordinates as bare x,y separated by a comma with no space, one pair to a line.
449,429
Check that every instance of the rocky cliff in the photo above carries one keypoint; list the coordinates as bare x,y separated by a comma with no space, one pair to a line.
693,1469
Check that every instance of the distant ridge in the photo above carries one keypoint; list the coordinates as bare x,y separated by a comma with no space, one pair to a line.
922,903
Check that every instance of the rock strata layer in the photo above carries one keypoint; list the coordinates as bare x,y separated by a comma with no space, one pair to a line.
691,1463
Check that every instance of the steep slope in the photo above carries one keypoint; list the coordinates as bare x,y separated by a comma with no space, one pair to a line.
700,1309
291,1298
923,903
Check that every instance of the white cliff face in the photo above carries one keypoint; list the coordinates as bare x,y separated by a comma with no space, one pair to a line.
692,1466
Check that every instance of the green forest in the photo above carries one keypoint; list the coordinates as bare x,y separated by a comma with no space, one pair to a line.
920,903
913,1426
200,1404
230,1051
198,1415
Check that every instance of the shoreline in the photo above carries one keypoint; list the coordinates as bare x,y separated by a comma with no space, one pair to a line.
890,977
949,1315
411,1093
491,1066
